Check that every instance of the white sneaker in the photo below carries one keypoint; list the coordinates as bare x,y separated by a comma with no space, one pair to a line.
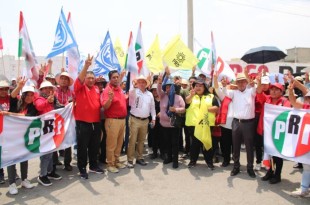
258,167
13,189
299,193
27,184
243,146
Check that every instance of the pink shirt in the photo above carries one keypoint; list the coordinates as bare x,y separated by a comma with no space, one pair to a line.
179,104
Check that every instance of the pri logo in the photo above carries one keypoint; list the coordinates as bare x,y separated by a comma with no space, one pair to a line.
291,133
45,135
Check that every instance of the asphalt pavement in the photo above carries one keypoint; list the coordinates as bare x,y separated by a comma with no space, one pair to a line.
159,184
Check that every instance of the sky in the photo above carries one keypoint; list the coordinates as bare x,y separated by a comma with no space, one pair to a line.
237,25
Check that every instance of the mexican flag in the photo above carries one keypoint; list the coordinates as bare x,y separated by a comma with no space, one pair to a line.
287,133
142,69
23,138
25,49
131,63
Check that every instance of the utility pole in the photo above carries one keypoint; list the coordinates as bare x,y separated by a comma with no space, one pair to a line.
190,25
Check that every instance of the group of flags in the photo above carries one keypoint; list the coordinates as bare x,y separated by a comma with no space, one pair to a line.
176,54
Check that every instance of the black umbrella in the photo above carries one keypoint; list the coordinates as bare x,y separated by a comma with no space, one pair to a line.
263,54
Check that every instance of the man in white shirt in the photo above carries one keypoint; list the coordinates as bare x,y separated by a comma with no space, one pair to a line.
142,104
243,124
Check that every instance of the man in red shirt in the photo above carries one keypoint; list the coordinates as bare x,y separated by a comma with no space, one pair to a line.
87,116
115,111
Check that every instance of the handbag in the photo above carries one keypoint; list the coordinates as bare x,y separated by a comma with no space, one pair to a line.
177,120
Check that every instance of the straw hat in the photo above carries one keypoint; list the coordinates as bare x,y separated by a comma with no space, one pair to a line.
4,84
240,76
141,77
64,74
154,86
46,84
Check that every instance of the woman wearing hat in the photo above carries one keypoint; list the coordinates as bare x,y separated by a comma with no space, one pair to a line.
275,98
45,103
201,102
170,133
23,107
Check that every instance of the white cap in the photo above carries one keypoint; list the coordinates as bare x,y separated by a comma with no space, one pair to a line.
28,89
265,80
45,84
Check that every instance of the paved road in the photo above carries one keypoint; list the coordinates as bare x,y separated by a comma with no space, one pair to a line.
160,184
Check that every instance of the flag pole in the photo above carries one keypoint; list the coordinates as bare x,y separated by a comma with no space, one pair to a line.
18,66
3,62
63,59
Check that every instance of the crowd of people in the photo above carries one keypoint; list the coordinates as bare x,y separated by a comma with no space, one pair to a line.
164,110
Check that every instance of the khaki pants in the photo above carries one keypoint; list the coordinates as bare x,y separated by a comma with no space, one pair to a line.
138,131
115,129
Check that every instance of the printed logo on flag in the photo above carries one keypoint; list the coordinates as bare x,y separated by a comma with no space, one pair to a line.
40,130
203,56
61,36
291,133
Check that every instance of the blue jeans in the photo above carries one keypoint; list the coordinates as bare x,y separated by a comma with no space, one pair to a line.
305,179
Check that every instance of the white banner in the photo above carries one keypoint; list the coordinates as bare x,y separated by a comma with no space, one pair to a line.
287,133
23,138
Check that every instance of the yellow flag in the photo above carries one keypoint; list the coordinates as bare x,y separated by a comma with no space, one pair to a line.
202,129
178,55
153,57
120,52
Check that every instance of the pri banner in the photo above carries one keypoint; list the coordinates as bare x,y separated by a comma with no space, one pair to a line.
287,133
23,138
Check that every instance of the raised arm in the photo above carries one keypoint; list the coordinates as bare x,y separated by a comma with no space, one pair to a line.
21,81
83,72
291,96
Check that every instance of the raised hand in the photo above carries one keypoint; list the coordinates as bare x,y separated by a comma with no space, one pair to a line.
21,81
88,61
51,97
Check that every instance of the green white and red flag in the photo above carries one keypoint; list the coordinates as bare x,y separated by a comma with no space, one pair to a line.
35,136
25,50
287,133
142,69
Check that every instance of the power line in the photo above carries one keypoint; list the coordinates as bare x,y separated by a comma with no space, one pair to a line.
267,9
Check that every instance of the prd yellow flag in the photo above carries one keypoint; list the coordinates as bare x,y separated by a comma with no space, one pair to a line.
178,55
153,57
120,52
202,128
